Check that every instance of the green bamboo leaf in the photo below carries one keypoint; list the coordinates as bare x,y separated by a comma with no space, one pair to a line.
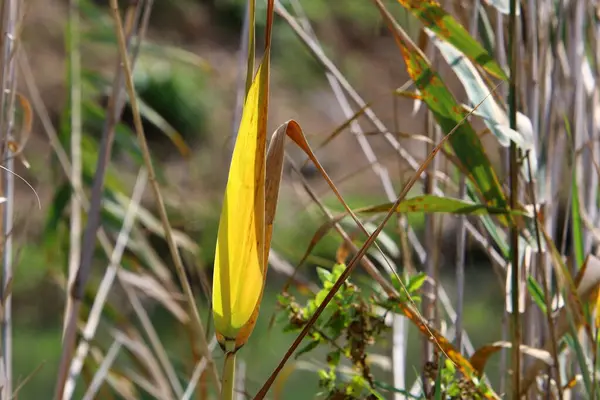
433,16
390,388
438,383
437,204
575,209
60,201
419,204
535,290
576,221
449,115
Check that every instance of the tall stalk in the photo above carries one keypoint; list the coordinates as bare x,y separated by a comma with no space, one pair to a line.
7,114
514,198
75,132
227,391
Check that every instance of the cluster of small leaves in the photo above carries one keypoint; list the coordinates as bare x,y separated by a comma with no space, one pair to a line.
349,325
408,289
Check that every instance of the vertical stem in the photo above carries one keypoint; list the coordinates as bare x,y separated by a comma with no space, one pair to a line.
227,391
75,125
514,187
460,229
6,125
460,268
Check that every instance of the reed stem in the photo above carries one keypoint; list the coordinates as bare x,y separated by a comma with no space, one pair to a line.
227,392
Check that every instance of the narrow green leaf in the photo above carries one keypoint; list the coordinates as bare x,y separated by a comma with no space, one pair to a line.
448,114
575,210
576,220
434,17
392,389
438,382
60,202
494,117
437,204
310,346
536,293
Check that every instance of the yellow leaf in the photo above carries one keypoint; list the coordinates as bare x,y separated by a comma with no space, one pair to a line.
240,264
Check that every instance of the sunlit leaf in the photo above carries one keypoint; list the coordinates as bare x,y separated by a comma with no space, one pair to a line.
419,204
448,113
436,204
239,258
433,16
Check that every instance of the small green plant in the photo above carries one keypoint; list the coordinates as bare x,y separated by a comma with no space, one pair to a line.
349,329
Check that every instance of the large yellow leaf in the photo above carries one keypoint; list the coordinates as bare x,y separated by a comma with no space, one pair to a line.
240,264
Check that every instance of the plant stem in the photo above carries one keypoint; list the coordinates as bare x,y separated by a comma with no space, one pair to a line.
514,189
10,16
75,132
227,392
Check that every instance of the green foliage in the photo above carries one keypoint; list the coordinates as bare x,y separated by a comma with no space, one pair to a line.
349,328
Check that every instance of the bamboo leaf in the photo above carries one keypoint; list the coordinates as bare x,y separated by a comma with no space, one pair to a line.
434,17
242,247
419,204
436,204
449,114
494,117
239,258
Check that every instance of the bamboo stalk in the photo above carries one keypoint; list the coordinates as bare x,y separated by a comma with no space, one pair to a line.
7,103
514,199
75,105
